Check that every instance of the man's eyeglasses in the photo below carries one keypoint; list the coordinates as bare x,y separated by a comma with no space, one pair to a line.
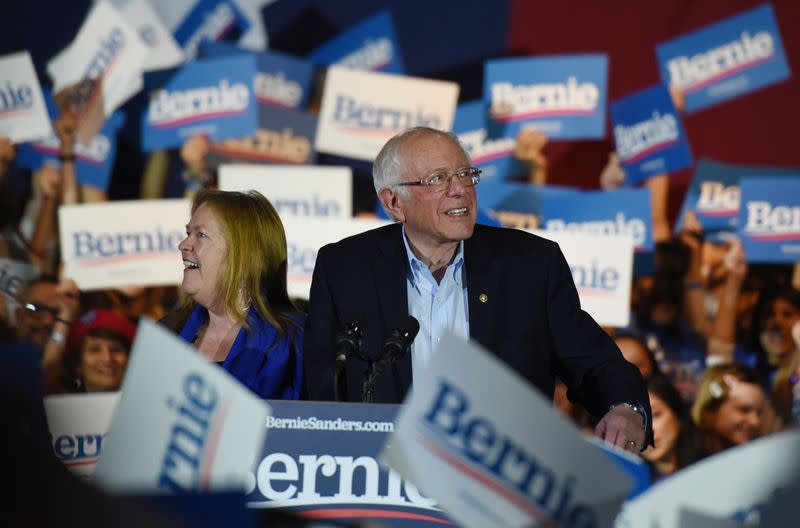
40,310
440,181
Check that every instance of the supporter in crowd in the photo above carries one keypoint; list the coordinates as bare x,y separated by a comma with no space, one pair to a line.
96,354
729,406
238,312
677,443
134,302
635,350
46,308
780,339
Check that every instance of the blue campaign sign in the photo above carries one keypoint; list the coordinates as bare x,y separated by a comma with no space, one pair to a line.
93,162
626,211
648,134
369,45
495,157
213,97
213,20
517,205
563,96
769,219
714,193
283,137
728,59
281,79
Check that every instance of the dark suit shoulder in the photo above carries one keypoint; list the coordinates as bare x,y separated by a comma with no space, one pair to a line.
361,241
504,240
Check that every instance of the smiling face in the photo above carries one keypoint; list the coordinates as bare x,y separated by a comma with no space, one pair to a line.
738,419
102,364
204,250
782,317
434,221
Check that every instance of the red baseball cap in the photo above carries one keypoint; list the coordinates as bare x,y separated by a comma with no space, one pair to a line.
100,319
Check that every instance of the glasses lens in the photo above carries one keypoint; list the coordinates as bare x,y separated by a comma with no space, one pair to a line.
40,310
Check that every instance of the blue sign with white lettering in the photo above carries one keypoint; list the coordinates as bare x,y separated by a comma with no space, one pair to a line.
281,80
625,211
648,134
93,162
517,205
212,97
564,97
769,219
370,45
213,20
495,157
728,59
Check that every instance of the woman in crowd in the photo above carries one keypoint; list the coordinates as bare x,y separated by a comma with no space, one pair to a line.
677,441
780,338
728,407
238,313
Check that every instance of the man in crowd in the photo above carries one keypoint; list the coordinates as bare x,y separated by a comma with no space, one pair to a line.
509,290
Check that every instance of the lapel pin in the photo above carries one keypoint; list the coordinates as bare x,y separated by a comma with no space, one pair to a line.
483,297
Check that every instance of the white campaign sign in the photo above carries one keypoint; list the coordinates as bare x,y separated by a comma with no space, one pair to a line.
164,51
78,425
361,110
106,48
23,114
602,268
493,451
737,484
126,243
182,425
295,190
305,236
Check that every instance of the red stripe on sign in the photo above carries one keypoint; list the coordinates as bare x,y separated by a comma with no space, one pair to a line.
344,513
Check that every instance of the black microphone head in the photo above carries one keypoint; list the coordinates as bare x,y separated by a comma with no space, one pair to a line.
409,328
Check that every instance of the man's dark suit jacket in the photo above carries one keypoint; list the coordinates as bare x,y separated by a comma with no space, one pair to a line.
531,318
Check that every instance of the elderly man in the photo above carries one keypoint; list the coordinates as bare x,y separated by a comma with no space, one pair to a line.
509,290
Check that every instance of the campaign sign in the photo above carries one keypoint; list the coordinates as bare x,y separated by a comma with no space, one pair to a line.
622,212
360,110
714,193
736,56
564,96
305,236
78,426
124,243
164,51
602,268
494,156
182,425
93,161
459,441
283,136
648,134
517,205
320,460
23,114
322,192
212,97
213,20
370,45
281,79
769,219
100,70
716,488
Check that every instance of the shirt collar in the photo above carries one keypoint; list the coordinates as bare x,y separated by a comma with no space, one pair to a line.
417,268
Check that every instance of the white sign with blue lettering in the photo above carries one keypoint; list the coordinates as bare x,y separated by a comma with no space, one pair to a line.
306,235
602,269
716,488
769,219
564,97
211,97
125,243
164,51
648,134
625,212
304,191
360,110
489,463
370,45
78,425
183,425
736,56
23,114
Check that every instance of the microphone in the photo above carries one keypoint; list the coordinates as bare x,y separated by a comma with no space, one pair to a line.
394,348
346,343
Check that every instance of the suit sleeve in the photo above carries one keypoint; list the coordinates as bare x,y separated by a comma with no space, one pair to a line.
587,359
320,328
